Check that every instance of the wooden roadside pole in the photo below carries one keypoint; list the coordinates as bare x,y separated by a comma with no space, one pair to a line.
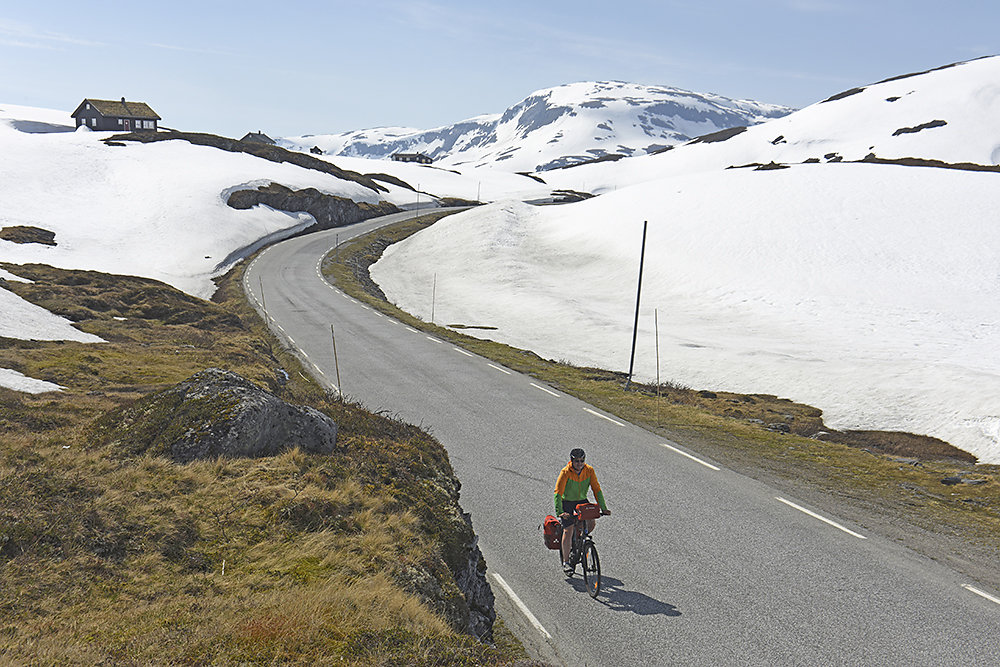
263,303
638,294
656,327
336,364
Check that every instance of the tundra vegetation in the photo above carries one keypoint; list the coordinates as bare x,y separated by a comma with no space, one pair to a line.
119,555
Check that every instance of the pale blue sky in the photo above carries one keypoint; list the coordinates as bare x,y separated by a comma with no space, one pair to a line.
290,67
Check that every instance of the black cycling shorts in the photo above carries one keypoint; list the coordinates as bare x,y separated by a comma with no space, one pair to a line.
570,506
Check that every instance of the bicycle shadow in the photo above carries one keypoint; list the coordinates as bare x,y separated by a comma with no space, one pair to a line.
618,598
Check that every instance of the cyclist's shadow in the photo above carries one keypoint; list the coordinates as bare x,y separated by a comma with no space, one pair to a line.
614,596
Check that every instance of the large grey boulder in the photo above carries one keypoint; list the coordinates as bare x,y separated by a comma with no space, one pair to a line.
215,413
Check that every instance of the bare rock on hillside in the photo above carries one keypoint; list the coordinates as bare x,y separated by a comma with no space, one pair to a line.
28,234
329,210
214,413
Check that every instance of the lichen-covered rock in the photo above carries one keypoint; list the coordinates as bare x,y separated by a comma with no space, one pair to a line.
214,413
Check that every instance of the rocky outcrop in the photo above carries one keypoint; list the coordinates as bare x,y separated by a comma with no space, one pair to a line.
28,234
465,598
219,413
215,413
328,210
471,580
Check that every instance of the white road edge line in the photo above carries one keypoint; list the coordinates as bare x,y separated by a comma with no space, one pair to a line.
981,593
693,458
502,370
598,414
520,605
821,518
463,352
547,391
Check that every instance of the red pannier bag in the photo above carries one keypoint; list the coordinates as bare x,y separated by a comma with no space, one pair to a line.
588,511
552,530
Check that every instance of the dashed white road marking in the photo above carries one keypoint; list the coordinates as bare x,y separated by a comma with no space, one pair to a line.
981,593
598,414
693,458
461,351
821,518
547,391
520,605
434,339
502,370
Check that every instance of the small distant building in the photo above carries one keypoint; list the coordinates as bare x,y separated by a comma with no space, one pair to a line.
258,138
412,157
316,150
116,116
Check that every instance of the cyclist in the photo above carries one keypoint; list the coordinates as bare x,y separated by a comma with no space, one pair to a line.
571,490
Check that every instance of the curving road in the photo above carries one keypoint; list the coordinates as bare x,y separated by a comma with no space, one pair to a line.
702,566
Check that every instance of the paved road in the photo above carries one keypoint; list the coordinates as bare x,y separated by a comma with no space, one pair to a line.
702,566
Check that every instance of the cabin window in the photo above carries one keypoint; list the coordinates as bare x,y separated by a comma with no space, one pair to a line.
93,122
119,121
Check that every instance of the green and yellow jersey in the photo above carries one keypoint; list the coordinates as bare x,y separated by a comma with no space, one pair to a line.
573,486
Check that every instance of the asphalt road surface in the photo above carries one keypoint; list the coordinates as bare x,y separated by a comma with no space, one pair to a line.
702,566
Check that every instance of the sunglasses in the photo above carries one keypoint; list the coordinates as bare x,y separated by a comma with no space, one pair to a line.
577,460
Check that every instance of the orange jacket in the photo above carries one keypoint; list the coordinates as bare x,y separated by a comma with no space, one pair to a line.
573,486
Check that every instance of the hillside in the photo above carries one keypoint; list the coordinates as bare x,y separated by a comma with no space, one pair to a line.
114,551
866,290
558,127
947,114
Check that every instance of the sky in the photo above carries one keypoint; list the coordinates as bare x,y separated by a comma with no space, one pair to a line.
315,67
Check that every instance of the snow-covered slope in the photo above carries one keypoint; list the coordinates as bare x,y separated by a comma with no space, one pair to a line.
950,114
867,290
559,126
159,210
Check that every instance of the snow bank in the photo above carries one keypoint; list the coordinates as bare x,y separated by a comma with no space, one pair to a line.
24,320
18,382
868,291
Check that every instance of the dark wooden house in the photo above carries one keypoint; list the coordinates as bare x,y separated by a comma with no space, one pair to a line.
116,116
258,138
412,157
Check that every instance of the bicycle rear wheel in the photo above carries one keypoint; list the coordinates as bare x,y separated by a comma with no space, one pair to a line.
591,570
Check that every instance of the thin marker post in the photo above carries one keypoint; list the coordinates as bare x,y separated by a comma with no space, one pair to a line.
638,294
336,364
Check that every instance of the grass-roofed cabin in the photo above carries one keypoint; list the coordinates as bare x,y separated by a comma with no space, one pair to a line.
116,116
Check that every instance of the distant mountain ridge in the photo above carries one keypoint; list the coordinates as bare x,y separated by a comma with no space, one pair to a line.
559,126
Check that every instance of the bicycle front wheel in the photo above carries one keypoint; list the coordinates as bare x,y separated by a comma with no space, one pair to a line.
591,570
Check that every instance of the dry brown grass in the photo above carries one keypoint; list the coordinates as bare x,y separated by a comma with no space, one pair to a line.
292,559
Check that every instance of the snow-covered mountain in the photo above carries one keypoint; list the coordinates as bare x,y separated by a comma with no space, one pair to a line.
867,289
950,114
558,127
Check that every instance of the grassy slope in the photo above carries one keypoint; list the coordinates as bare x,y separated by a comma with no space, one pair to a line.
293,559
890,483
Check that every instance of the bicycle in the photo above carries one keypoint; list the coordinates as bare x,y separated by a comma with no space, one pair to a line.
583,552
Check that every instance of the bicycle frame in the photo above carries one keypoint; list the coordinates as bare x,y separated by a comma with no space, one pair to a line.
583,552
